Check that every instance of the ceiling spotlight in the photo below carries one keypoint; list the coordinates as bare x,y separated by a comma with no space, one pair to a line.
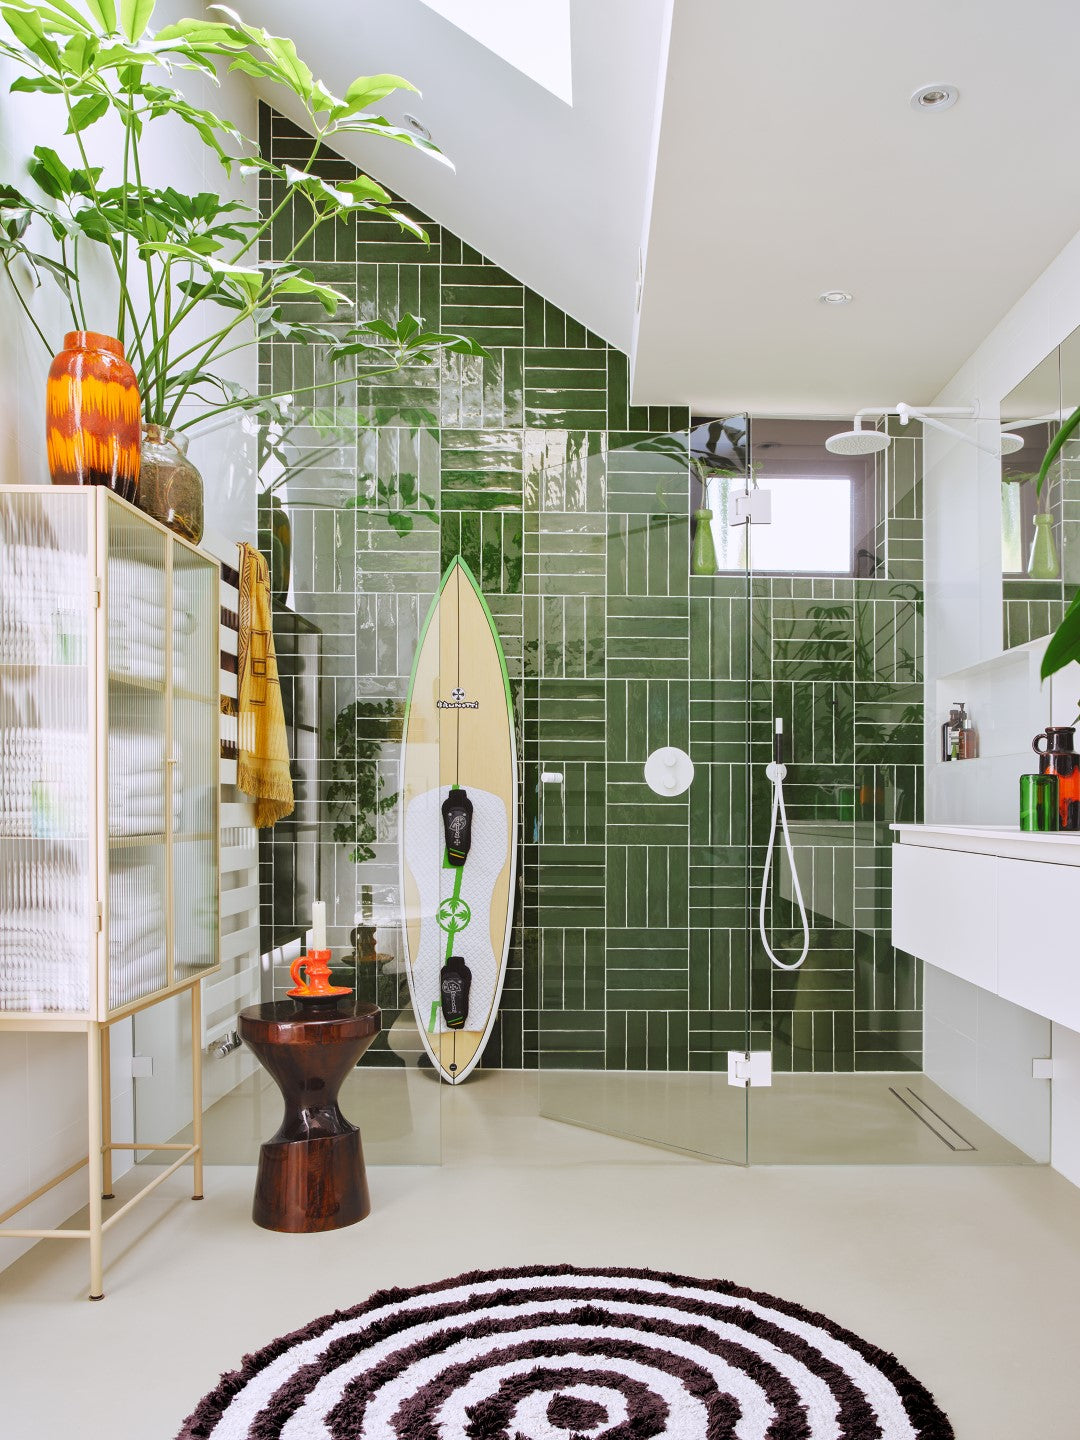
417,125
834,297
934,97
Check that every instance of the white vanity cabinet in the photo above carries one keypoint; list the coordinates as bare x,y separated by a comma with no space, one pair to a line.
995,906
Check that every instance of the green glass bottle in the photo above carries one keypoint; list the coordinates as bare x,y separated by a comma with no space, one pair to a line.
1039,802
1043,563
703,554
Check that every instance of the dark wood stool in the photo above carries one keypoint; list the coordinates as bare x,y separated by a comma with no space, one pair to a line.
311,1173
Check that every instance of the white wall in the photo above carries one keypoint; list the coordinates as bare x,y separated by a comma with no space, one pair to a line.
43,1078
974,1060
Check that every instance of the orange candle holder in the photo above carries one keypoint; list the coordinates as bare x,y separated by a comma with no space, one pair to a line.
314,983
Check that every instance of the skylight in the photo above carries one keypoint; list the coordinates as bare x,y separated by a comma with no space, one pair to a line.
531,35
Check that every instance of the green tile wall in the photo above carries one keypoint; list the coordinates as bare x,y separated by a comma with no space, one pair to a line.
633,935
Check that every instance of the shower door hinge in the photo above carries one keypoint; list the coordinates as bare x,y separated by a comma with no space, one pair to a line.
753,507
749,1067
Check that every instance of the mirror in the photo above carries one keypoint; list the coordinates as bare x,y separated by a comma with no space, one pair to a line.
1040,535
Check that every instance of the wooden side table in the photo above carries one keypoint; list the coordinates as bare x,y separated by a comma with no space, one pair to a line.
311,1172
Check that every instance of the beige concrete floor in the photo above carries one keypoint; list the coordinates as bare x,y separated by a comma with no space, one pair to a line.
801,1119
971,1275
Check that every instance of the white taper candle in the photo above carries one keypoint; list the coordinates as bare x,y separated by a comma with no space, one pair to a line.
318,925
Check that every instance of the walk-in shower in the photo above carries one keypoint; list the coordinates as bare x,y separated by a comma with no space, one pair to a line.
752,1004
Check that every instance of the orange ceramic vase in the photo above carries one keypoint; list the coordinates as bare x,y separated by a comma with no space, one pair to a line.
93,417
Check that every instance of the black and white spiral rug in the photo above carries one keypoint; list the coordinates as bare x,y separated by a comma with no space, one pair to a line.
562,1353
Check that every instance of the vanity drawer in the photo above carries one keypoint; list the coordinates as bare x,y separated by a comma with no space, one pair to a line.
1039,938
944,911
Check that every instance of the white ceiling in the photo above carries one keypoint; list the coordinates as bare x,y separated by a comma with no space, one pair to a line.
790,163
787,162
554,193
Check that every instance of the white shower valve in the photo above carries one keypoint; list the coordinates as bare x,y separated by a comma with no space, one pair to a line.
669,771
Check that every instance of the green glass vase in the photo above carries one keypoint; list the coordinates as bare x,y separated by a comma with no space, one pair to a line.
703,553
1043,563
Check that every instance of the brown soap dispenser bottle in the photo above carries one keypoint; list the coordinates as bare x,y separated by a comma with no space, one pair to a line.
969,738
950,734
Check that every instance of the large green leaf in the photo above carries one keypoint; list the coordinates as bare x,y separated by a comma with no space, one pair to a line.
295,74
377,125
360,193
31,84
104,12
80,53
27,28
135,16
59,17
327,297
49,172
85,112
1065,642
367,90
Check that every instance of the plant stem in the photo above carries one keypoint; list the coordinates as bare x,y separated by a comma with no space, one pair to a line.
78,288
110,241
26,308
67,287
151,289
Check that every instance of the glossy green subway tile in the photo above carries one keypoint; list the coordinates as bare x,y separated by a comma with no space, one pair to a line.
565,470
712,1033
572,507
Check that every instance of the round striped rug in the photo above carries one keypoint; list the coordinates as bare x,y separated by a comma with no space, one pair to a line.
562,1353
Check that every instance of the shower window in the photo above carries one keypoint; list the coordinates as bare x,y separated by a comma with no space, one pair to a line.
831,515
820,525
811,527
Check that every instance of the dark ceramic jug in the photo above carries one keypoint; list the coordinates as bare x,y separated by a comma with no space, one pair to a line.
1059,758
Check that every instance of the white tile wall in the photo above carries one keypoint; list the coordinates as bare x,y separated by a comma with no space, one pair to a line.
43,1078
977,1051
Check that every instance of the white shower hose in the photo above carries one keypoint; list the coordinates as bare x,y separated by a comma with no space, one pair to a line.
777,773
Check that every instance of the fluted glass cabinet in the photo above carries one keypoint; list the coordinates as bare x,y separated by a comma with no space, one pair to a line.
109,751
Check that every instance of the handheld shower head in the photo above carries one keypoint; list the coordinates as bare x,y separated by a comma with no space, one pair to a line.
857,442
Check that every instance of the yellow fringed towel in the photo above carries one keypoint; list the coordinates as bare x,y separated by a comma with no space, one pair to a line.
262,769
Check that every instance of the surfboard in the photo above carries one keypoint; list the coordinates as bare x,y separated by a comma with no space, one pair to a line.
458,731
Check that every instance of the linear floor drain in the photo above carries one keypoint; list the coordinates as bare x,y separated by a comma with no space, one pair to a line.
946,1133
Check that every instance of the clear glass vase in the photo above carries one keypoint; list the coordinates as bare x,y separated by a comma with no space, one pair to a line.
170,487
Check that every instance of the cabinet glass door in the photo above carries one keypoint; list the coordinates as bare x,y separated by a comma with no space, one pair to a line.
45,759
134,760
194,761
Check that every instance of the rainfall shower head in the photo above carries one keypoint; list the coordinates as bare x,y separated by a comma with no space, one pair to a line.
857,442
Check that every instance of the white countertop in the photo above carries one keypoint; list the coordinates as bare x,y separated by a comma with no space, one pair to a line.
1052,847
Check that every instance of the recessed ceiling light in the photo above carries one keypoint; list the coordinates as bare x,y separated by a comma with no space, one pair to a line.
417,125
934,97
834,297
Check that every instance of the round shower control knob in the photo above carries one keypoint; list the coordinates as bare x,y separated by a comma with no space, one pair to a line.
669,771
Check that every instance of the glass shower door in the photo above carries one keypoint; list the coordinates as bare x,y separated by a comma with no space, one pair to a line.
635,903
